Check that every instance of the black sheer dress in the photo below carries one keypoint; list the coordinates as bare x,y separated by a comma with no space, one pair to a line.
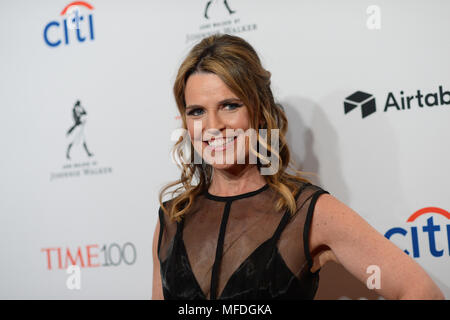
239,247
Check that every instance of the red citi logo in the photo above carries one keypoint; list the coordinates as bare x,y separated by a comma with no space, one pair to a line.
57,32
430,229
90,256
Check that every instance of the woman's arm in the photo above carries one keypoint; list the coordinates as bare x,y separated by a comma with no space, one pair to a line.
157,293
357,245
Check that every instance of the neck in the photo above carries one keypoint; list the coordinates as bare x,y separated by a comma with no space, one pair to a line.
237,180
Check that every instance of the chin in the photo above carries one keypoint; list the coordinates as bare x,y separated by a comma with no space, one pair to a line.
225,166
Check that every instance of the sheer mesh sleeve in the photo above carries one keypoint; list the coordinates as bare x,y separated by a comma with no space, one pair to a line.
307,226
294,241
167,233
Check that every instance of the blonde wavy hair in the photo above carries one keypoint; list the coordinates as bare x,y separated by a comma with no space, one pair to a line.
237,64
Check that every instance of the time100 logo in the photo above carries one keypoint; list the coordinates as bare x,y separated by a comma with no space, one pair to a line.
90,256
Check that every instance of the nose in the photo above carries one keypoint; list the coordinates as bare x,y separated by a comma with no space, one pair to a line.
214,124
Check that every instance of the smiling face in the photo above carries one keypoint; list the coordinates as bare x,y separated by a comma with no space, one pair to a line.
216,120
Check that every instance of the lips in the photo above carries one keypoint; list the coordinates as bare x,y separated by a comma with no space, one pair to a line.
218,144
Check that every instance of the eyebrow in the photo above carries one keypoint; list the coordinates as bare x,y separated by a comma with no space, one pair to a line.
222,102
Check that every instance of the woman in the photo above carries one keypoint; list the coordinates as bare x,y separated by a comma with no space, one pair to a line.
236,233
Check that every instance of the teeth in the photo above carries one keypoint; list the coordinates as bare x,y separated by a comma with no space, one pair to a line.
220,141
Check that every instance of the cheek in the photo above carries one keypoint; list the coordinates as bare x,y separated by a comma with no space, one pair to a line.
190,124
195,141
190,130
241,119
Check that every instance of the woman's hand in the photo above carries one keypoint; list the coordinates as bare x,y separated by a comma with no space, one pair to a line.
322,258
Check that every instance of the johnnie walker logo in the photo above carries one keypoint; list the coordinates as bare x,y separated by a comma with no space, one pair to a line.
220,16
76,132
79,158
225,3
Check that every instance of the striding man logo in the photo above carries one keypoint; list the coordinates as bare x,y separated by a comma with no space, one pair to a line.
230,11
76,132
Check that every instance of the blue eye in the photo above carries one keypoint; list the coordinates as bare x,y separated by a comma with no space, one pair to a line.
194,112
232,105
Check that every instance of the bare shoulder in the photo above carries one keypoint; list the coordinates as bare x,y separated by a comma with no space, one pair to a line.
336,225
351,241
329,213
327,210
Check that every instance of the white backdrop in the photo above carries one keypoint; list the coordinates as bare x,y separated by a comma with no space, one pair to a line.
100,210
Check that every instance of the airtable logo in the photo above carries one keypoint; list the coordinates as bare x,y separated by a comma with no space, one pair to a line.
57,32
430,228
360,99
397,102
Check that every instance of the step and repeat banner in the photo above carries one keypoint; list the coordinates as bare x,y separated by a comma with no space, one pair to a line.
88,115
